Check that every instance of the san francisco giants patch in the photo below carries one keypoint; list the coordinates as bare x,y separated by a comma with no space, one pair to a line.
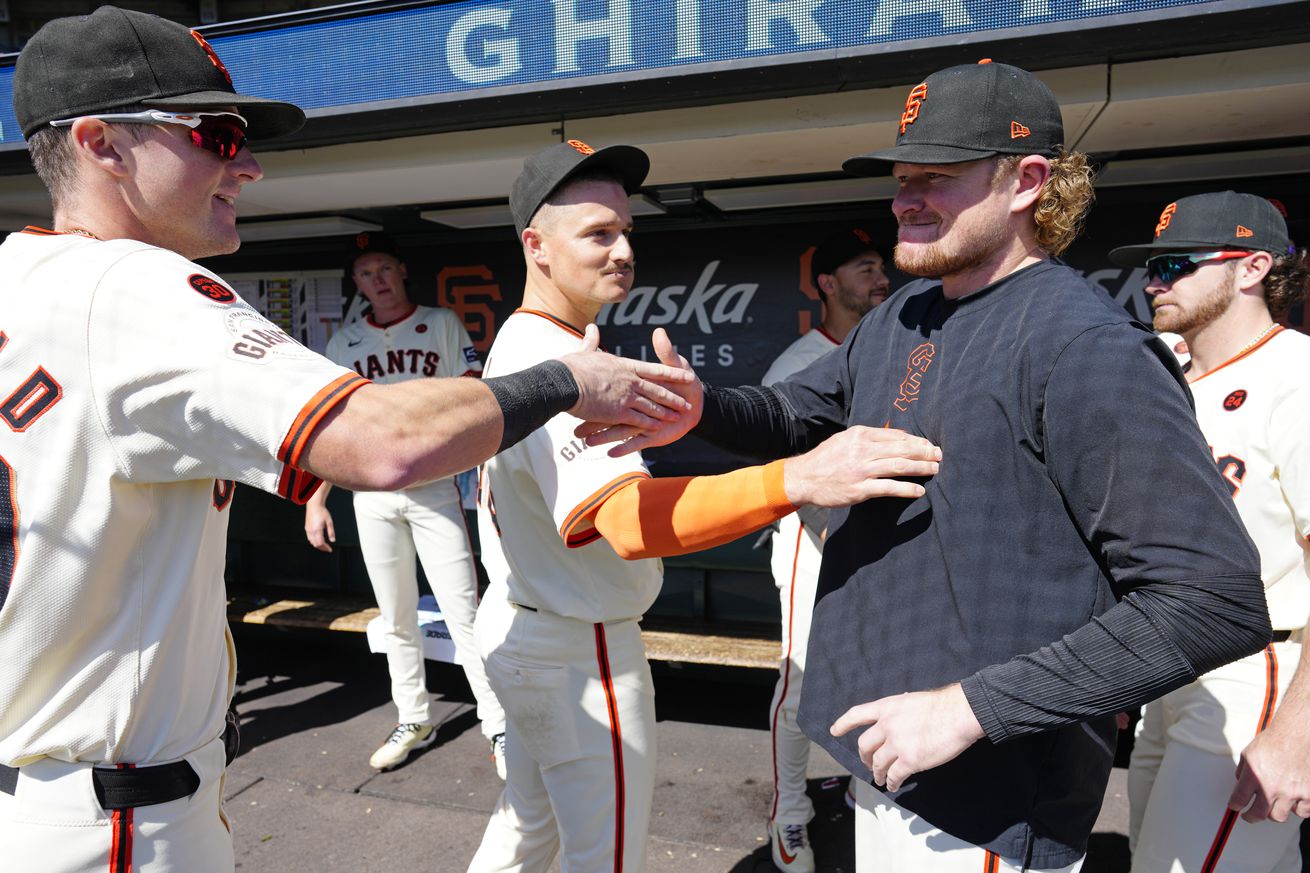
257,339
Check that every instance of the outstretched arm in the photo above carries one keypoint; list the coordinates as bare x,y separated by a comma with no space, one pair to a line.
750,420
388,437
672,516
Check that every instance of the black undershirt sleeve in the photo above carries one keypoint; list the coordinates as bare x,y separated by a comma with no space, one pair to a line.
786,418
530,398
1123,447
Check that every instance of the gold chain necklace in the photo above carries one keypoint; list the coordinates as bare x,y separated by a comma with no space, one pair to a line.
1255,342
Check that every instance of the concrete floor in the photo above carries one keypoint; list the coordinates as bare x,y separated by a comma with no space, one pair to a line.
303,798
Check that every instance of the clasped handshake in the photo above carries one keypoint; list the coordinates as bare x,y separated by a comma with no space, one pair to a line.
635,405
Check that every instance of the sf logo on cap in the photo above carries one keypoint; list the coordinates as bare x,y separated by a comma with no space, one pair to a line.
861,235
1165,218
361,241
912,103
581,147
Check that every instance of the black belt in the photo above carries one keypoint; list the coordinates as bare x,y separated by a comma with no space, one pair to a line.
1282,636
124,789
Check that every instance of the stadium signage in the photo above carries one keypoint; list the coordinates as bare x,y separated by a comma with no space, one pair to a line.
430,53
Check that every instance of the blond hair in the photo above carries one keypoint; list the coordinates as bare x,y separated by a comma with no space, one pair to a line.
1064,201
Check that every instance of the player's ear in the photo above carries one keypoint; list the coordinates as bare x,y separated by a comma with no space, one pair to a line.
1031,175
101,145
534,246
404,273
824,281
1251,270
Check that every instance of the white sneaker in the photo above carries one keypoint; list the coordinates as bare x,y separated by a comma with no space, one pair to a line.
498,754
404,739
791,848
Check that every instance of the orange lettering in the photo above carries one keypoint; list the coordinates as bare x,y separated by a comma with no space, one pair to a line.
912,103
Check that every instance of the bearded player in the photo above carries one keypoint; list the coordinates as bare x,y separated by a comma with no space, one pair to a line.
570,536
1221,269
397,341
848,273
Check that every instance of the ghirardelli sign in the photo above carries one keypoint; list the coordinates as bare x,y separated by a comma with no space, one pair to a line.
705,303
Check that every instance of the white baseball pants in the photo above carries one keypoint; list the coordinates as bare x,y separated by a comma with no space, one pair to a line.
1183,769
426,522
797,553
580,742
54,824
891,839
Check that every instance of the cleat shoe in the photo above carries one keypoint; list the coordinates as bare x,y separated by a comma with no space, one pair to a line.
498,754
791,848
404,739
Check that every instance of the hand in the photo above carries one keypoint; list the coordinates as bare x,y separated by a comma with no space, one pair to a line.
1274,770
318,526
858,464
621,391
911,733
670,429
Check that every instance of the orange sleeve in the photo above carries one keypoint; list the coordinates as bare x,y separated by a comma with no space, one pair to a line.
653,518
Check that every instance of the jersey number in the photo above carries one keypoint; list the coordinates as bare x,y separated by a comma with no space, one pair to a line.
31,400
8,529
1233,469
25,405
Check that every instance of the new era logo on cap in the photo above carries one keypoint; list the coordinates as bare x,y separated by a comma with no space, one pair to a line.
581,147
1244,232
1017,130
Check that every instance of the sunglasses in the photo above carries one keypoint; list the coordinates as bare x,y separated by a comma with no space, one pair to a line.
1167,268
222,133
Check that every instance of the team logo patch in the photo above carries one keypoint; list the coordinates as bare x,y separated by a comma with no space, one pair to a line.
1235,400
1018,131
581,147
1244,232
213,56
211,288
1165,217
470,355
918,94
258,340
862,235
915,368
422,328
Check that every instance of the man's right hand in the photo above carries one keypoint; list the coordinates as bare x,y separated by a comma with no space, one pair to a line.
318,525
629,436
859,464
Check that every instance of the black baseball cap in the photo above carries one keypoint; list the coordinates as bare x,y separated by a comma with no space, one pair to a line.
1221,220
546,170
368,243
117,57
969,112
839,248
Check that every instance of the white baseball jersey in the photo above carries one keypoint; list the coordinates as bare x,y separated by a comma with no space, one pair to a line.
800,354
1255,412
532,499
427,342
136,385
